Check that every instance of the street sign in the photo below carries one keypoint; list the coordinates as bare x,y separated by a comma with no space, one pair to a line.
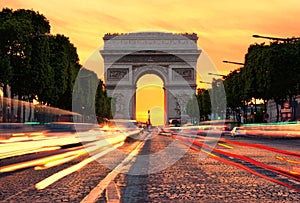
266,116
285,110
286,105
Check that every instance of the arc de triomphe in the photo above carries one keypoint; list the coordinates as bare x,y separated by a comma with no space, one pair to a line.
172,57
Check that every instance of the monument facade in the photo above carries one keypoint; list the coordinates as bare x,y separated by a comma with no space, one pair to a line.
172,57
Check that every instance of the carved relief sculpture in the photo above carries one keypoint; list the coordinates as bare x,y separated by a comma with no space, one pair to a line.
117,74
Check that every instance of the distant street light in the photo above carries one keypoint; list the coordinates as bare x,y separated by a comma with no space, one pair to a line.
277,38
217,74
205,82
233,62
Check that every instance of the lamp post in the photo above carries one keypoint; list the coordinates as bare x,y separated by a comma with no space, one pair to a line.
83,107
205,82
8,114
237,111
277,38
149,119
233,62
216,74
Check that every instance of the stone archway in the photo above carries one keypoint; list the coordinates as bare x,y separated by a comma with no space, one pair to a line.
155,70
173,57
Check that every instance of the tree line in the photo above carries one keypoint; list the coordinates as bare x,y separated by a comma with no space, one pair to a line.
38,65
270,72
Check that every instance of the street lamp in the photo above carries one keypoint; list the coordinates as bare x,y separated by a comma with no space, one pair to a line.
83,107
205,82
8,114
217,74
277,38
233,62
252,113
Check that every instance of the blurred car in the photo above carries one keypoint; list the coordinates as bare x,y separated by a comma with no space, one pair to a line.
238,131
214,130
188,130
124,125
175,123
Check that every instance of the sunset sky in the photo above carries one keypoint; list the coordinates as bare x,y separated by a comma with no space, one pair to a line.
224,28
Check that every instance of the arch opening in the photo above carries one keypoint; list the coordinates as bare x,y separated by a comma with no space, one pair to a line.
150,96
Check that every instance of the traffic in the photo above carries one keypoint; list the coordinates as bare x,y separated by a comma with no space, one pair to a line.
53,154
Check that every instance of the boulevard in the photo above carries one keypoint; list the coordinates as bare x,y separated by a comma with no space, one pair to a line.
211,169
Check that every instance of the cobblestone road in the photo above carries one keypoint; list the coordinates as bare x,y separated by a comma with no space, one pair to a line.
194,179
190,178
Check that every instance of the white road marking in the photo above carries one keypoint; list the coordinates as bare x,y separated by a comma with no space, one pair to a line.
112,193
97,191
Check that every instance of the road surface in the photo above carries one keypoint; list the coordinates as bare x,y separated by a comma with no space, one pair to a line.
157,168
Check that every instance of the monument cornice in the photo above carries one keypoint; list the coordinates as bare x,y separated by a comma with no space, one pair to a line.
150,35
150,41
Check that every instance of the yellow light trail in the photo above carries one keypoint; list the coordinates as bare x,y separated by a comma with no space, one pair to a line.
294,173
287,160
209,153
224,145
18,134
32,150
53,178
37,134
57,162
36,162
9,149
43,161
89,148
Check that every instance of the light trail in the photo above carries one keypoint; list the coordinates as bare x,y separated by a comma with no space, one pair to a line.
32,150
293,175
57,162
55,177
18,134
53,143
40,161
17,146
287,160
11,146
37,134
260,146
88,149
248,170
224,145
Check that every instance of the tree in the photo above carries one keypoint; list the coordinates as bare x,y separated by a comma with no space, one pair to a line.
65,64
103,103
193,109
90,97
218,99
17,30
41,70
5,64
38,65
204,103
272,72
